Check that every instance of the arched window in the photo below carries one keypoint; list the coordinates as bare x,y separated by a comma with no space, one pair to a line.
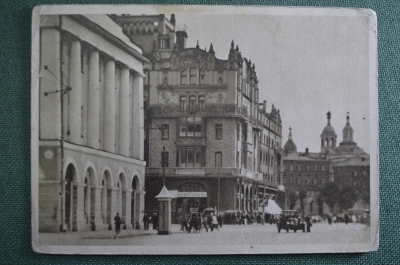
184,77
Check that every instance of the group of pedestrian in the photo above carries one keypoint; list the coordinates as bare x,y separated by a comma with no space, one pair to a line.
196,222
150,219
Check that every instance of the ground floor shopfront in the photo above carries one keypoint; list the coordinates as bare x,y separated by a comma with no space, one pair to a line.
94,187
192,194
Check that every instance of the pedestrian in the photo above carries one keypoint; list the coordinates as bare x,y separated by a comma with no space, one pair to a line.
155,221
146,222
219,219
117,223
308,223
346,219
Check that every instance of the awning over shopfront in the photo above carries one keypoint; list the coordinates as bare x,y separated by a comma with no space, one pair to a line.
272,208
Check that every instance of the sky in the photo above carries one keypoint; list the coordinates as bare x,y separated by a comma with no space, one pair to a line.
306,66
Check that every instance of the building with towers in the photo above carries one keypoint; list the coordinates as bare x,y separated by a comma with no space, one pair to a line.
345,164
206,131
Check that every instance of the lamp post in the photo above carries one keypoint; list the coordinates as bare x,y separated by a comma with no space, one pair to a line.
218,187
263,219
163,165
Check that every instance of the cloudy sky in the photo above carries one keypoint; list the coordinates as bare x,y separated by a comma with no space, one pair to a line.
306,65
308,61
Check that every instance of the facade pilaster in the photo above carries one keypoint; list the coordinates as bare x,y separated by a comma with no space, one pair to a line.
98,216
94,101
109,107
124,114
137,119
128,213
75,94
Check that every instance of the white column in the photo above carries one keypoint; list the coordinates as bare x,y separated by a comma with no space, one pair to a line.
76,93
109,107
94,101
137,119
124,115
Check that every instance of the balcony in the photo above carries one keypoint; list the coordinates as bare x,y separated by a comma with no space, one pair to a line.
206,172
191,141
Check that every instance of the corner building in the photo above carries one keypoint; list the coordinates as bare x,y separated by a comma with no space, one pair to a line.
91,134
205,112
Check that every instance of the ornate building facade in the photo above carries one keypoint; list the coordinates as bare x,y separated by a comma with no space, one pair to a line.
91,125
204,111
346,164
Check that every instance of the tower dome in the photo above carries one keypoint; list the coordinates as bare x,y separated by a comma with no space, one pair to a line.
347,130
290,146
328,136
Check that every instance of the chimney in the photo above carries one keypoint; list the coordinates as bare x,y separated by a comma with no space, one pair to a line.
172,20
306,151
181,37
265,106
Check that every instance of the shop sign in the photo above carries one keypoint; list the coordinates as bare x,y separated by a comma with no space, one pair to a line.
194,210
192,194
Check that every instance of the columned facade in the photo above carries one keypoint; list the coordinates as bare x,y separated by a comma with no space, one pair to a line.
87,168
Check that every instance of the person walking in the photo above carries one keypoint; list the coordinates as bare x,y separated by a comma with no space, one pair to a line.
308,222
146,222
117,223
155,221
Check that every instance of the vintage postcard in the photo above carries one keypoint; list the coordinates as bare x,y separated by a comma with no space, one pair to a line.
204,130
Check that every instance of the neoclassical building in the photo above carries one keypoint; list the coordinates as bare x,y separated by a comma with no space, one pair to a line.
90,125
345,164
205,112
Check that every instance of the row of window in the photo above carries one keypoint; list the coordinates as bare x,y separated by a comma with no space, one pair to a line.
266,158
194,102
191,127
190,157
195,76
309,193
306,168
307,181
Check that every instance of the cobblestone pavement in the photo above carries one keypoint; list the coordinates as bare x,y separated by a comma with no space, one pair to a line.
321,233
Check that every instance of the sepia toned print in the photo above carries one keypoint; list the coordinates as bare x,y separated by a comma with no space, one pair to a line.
204,130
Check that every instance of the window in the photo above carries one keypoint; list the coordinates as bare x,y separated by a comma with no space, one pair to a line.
190,127
192,102
315,168
355,173
218,131
190,157
165,132
298,168
291,168
298,180
307,181
322,168
184,77
314,181
202,77
202,100
182,102
308,168
290,180
218,159
193,76
322,181
165,78
164,159
220,77
164,43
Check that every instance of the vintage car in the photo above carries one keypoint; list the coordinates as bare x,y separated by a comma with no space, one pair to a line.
290,220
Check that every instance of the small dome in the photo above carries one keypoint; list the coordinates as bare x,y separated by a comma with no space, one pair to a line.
290,146
328,129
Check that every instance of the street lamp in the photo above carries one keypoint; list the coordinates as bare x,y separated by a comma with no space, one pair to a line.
163,165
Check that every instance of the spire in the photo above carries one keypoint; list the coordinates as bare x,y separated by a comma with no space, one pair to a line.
348,119
237,47
290,133
328,115
232,45
197,46
211,50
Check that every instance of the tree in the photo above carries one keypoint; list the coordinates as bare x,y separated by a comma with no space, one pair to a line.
347,198
302,196
292,198
330,193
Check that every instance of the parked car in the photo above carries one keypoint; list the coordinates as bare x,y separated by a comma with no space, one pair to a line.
290,220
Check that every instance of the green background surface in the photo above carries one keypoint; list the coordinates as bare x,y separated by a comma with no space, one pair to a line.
15,208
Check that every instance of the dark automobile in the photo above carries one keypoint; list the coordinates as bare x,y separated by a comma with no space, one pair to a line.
290,220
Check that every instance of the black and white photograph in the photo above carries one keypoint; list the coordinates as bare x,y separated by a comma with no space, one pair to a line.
168,129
